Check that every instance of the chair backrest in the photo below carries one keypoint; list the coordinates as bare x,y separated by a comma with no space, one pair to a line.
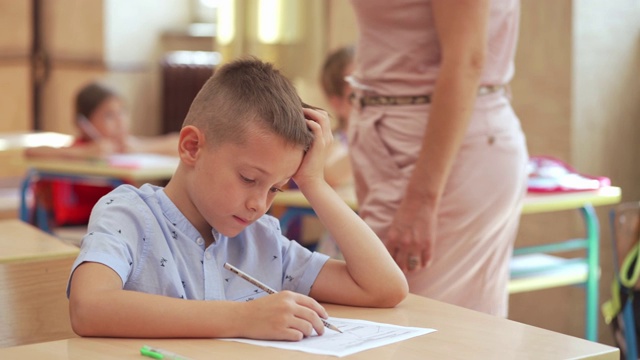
625,227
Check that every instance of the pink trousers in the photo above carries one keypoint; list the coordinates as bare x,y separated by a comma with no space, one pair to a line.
480,209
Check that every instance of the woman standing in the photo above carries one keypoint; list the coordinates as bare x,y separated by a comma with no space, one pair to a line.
438,153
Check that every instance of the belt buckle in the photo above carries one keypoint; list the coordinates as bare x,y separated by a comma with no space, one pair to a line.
362,102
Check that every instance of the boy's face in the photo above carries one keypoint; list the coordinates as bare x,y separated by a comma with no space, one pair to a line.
234,184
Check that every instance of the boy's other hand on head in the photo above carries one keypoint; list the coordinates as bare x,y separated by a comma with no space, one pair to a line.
312,167
284,315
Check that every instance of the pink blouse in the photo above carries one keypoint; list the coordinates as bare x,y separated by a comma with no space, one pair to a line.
398,51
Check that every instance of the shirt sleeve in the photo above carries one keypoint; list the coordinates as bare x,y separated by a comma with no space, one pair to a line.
116,223
300,266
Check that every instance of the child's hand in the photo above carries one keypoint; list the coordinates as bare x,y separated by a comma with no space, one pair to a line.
312,167
283,316
101,148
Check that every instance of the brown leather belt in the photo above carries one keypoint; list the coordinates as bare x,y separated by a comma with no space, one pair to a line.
379,100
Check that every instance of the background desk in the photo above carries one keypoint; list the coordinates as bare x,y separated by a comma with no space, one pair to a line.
34,268
12,147
535,269
161,168
462,334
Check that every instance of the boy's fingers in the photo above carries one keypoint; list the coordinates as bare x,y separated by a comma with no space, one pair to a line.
307,320
319,116
313,312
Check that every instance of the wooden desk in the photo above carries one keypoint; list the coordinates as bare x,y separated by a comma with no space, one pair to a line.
34,269
23,243
22,140
462,334
537,269
157,168
538,203
156,171
12,146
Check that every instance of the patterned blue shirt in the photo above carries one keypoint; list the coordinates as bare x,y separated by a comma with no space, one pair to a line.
147,241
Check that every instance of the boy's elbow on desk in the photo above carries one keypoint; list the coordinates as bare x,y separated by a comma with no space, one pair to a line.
80,318
390,294
394,295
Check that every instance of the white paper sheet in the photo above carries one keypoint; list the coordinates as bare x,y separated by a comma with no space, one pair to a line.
358,335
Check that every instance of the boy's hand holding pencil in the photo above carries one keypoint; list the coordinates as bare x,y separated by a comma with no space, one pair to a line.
285,315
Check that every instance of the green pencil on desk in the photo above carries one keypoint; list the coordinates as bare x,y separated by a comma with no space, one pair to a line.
267,289
156,353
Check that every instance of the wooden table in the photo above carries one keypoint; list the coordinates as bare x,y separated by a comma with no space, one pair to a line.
13,144
34,269
144,171
23,140
461,334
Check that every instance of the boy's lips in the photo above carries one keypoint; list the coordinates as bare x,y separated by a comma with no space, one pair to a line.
242,220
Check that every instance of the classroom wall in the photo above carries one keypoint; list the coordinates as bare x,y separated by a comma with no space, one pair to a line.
117,41
15,74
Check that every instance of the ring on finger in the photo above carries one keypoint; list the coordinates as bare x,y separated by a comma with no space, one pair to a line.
413,262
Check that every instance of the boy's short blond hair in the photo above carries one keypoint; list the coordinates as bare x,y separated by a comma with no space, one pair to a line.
244,94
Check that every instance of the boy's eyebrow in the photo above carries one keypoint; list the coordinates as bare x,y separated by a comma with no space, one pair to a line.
264,171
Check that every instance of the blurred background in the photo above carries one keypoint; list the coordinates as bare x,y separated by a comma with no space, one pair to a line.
576,88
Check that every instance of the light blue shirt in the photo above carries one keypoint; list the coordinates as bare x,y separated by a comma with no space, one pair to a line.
147,241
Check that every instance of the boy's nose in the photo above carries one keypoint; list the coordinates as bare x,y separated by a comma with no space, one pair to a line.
258,203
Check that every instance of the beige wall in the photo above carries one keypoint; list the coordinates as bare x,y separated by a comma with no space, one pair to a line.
606,100
15,74
15,95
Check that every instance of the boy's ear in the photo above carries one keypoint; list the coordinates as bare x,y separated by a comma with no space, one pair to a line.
191,141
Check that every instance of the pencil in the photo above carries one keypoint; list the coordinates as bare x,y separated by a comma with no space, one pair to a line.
267,289
88,128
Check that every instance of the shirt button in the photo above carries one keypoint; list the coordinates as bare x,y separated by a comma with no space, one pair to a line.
208,255
199,241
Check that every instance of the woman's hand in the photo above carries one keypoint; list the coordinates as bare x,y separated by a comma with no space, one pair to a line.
410,239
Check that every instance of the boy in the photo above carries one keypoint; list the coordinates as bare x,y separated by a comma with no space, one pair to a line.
244,137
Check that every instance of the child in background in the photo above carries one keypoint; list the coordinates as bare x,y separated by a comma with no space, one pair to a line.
152,262
337,172
103,126
337,66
